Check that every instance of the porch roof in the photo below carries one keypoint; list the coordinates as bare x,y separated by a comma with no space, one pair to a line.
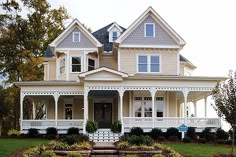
47,83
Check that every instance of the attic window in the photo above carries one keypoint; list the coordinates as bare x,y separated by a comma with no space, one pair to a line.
114,36
149,30
76,36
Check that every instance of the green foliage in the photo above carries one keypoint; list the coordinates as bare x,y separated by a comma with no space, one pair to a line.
158,155
173,138
186,139
13,133
123,145
57,145
49,153
136,131
191,132
124,138
208,135
224,96
74,154
116,127
71,139
140,140
161,138
85,145
32,132
51,132
72,131
221,134
202,140
220,141
91,126
132,155
83,138
35,151
155,133
172,132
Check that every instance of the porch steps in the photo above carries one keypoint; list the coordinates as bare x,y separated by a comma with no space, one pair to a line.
104,135
104,149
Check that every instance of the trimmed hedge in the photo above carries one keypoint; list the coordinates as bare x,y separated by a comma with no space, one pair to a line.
136,131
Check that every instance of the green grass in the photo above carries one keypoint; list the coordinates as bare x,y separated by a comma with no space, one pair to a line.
199,150
10,145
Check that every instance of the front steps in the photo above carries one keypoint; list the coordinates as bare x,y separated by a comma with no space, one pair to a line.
104,135
104,149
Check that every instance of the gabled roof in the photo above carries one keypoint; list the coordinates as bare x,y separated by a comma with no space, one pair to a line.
156,16
102,35
183,59
122,74
75,23
115,25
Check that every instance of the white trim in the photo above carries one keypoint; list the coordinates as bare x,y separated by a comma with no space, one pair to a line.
95,62
85,49
150,46
145,32
118,60
114,25
67,65
148,64
178,64
76,33
167,103
81,66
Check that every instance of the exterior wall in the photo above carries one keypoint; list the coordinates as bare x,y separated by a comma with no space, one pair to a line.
172,104
108,60
68,41
181,70
137,37
128,60
126,104
51,109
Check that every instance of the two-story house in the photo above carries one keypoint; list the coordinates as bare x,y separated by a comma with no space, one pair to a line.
136,75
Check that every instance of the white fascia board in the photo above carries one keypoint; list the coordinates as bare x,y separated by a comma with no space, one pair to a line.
150,46
115,25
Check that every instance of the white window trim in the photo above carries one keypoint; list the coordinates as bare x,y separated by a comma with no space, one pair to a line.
81,60
94,62
145,33
74,33
60,66
149,63
72,107
113,35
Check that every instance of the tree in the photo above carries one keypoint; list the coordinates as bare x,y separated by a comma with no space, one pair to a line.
224,96
3,108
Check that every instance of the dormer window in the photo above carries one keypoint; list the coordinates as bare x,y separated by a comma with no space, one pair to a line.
114,36
76,36
149,30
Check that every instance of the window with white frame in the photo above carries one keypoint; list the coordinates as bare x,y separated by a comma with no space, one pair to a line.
91,64
159,106
68,111
62,65
138,106
147,106
114,36
76,64
76,36
149,63
149,30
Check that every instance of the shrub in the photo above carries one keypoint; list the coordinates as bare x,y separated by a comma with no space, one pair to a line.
116,127
161,138
136,131
49,153
202,140
124,138
70,139
172,132
123,145
155,133
35,151
221,134
186,139
72,131
91,126
191,133
81,145
74,154
51,131
208,135
13,133
57,145
83,138
132,155
158,155
32,132
220,141
231,133
173,138
140,140
147,140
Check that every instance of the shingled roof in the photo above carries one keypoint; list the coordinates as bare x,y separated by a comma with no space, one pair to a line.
48,52
102,35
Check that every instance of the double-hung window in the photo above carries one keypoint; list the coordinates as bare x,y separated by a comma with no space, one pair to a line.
62,66
114,36
149,30
76,36
149,63
91,64
76,64
68,111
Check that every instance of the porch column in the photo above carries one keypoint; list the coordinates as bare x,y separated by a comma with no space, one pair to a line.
130,103
195,108
21,110
185,94
121,94
33,103
153,93
56,97
205,104
85,110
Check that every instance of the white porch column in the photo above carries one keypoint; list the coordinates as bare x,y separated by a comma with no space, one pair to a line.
85,110
121,94
185,94
195,108
56,97
21,110
33,103
205,104
153,93
130,103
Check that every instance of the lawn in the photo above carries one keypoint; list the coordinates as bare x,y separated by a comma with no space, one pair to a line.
10,145
199,150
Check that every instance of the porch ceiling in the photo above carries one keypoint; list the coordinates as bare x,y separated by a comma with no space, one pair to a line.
103,93
193,95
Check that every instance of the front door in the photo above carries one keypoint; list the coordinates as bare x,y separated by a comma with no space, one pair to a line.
102,114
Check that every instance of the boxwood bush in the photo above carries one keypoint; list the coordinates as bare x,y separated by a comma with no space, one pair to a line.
51,133
91,126
221,134
136,131
116,127
155,133
72,131
191,133
32,132
172,132
208,135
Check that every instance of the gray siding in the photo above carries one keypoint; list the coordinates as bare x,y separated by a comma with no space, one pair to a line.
68,41
161,37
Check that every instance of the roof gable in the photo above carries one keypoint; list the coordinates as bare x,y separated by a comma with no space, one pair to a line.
115,25
151,12
75,24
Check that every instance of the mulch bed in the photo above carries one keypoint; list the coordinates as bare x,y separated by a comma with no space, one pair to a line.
18,153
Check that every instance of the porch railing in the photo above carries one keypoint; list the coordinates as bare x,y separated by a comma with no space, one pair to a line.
59,124
165,122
